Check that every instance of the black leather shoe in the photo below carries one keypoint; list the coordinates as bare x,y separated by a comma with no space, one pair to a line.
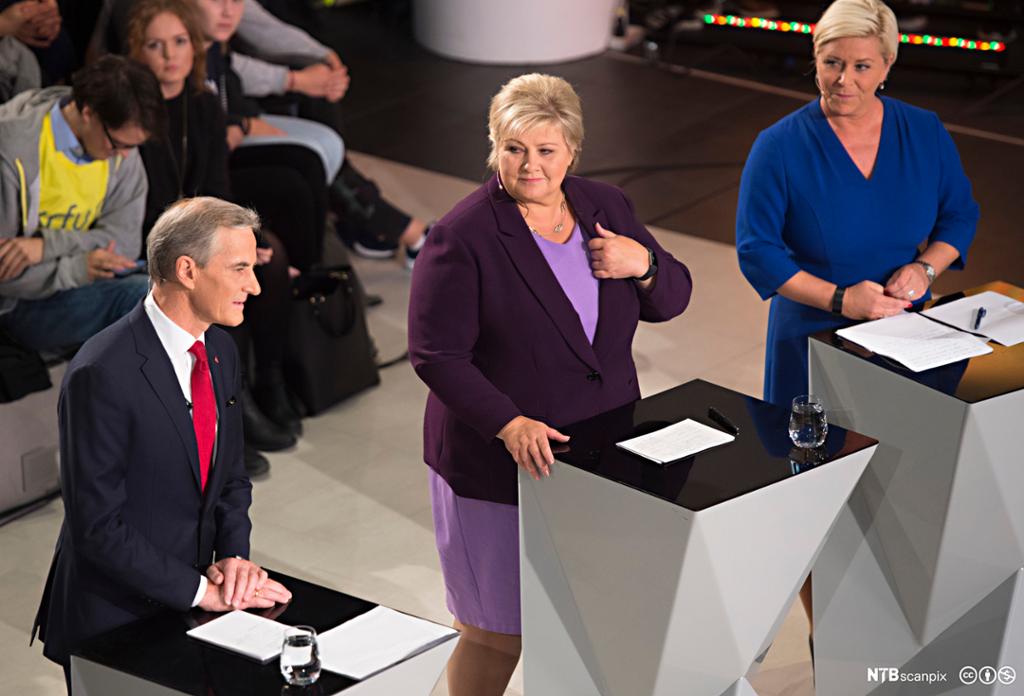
255,463
260,432
273,400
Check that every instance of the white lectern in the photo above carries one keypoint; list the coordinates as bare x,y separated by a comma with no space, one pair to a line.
923,570
668,580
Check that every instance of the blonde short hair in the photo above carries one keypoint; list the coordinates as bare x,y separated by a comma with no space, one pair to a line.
528,101
859,18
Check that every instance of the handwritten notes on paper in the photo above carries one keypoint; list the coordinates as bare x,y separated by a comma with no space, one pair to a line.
241,632
376,640
914,341
677,441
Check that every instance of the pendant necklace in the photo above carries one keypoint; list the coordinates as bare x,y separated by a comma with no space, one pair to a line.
561,221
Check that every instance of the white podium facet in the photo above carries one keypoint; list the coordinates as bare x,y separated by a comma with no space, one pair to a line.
627,590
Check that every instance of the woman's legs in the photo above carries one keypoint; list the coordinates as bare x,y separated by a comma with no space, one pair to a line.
483,661
267,315
282,183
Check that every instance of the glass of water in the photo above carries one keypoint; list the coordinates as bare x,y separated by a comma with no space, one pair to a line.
807,424
300,656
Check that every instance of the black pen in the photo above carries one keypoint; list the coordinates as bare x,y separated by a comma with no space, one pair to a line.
717,416
979,315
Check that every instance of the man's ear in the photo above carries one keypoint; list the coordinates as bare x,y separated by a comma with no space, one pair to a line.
185,271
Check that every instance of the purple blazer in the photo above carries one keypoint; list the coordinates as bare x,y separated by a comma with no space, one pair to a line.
493,335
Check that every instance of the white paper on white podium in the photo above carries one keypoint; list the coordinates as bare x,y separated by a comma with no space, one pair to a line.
676,441
376,640
244,633
1004,321
919,343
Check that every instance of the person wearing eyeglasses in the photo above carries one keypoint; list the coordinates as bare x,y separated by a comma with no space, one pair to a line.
72,200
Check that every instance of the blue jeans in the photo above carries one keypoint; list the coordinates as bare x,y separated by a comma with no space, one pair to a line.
70,317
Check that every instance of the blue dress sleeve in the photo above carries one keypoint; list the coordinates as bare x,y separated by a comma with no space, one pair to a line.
957,218
764,258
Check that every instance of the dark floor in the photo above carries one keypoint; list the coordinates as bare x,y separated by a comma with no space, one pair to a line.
412,106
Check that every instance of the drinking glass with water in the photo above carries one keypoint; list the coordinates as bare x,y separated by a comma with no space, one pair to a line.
807,424
300,656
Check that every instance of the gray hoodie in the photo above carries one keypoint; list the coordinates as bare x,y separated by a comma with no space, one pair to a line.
64,254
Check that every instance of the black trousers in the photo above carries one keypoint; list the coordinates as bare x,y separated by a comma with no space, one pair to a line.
285,185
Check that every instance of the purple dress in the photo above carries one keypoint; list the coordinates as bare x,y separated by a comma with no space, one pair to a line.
478,540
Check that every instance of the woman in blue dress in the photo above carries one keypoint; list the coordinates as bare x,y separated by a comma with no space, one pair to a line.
850,206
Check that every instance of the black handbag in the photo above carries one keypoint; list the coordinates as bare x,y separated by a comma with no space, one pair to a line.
330,355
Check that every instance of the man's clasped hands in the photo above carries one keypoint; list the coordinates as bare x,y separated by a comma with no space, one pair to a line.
235,583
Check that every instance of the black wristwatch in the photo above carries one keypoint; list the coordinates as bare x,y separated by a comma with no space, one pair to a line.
652,267
837,301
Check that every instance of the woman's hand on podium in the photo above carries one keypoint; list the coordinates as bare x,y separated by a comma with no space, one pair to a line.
527,441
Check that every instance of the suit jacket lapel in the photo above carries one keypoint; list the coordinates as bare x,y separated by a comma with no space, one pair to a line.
534,269
156,367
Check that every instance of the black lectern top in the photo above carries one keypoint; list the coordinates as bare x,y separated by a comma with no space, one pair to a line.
157,650
761,455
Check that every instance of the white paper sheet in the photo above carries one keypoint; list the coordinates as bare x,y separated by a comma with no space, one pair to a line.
376,640
676,441
244,633
1004,321
917,342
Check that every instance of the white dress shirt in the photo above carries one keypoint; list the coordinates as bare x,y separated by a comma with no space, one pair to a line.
176,342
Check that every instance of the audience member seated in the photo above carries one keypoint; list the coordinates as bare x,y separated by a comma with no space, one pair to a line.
369,223
44,34
19,69
260,37
192,160
72,199
292,195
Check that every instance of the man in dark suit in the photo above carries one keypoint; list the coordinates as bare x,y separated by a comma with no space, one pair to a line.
152,470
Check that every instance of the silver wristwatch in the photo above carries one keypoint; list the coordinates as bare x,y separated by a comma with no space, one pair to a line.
929,270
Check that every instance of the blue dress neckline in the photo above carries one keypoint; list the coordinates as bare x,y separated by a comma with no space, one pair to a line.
839,150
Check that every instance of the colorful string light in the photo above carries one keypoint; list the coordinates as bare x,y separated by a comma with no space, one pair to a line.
802,28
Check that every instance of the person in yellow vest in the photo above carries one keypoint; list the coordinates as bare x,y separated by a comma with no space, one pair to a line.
72,199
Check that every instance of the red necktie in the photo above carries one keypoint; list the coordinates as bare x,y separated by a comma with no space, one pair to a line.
204,409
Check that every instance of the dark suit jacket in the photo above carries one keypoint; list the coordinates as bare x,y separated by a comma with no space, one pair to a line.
137,530
494,336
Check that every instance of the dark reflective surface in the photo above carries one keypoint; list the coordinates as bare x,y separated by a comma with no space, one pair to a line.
158,650
759,457
984,377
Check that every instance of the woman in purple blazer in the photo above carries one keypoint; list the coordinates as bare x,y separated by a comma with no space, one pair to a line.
523,307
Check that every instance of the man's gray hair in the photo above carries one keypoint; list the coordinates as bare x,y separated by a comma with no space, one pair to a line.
189,228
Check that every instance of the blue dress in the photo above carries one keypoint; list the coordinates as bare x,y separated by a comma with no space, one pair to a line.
804,205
